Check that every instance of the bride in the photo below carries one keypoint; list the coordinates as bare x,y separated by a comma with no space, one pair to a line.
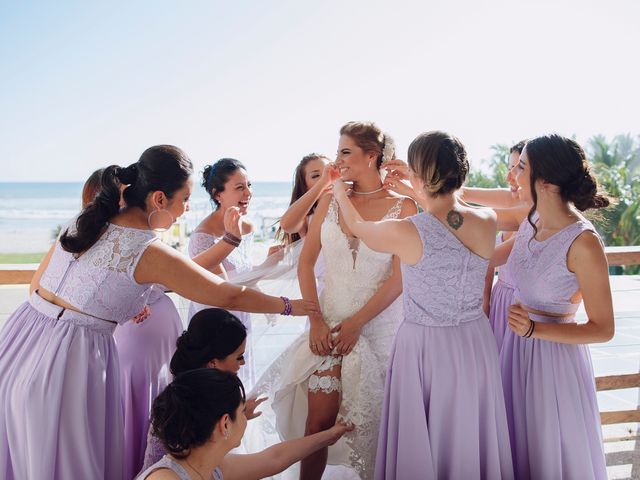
337,368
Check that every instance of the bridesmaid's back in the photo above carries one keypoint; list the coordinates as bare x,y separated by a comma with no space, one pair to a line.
444,288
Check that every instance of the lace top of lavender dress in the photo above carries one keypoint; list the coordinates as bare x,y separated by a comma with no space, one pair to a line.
239,260
445,287
539,268
100,281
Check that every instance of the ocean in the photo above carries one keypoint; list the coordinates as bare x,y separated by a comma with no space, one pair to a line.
31,212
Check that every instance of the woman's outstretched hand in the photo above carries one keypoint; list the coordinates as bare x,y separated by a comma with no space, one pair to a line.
338,430
233,221
330,174
250,407
398,168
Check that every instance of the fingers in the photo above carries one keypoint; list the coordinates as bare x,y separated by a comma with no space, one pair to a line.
321,346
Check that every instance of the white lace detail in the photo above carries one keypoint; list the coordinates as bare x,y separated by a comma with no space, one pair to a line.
349,282
101,281
326,384
448,274
329,362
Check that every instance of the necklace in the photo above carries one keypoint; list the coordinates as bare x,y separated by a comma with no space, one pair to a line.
191,466
367,193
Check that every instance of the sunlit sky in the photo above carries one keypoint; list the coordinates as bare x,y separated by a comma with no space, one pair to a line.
87,84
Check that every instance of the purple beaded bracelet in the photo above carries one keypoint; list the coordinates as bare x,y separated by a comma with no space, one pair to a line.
287,306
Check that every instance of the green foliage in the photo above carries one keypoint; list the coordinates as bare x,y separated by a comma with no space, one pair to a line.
498,163
617,166
21,257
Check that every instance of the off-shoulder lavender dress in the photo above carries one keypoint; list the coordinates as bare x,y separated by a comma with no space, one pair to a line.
444,414
60,407
549,387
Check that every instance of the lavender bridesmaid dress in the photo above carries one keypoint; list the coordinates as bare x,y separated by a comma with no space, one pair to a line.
549,387
60,407
145,351
443,414
501,299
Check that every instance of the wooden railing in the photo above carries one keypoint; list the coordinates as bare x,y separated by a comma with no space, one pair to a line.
621,256
22,274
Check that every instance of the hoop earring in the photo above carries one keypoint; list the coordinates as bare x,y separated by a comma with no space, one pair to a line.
159,225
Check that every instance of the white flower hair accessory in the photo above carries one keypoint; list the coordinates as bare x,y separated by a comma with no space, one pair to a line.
389,148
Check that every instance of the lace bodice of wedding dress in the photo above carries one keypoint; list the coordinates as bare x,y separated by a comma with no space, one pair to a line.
353,272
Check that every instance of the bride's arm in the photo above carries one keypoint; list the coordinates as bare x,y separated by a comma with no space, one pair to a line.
398,237
319,334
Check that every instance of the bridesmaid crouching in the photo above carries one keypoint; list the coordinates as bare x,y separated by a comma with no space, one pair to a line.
200,418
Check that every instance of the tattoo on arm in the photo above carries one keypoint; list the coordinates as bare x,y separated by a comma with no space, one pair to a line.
454,219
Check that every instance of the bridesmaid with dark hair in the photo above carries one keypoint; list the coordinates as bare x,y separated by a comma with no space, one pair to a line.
144,351
222,243
557,261
200,418
60,386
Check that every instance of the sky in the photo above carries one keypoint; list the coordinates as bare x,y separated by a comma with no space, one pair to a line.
88,84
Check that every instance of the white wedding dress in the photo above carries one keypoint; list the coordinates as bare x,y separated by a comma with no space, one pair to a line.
352,275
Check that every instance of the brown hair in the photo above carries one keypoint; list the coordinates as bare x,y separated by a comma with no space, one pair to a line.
367,136
518,147
562,162
91,187
299,189
440,160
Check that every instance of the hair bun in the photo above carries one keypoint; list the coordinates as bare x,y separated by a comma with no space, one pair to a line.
583,192
128,175
183,341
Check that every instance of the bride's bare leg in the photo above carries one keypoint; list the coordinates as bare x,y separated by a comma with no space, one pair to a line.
324,403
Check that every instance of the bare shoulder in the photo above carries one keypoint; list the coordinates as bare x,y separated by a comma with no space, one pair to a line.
480,217
206,225
587,247
247,226
408,207
163,474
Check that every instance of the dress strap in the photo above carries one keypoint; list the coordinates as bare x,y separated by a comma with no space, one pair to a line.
332,212
394,211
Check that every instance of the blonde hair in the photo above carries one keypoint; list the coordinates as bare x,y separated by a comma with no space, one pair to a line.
440,161
367,136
